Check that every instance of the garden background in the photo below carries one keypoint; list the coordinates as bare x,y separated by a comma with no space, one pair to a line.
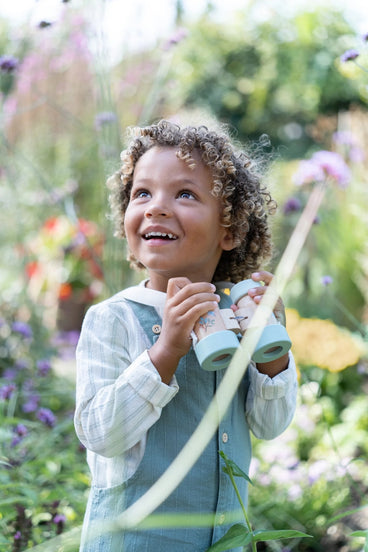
293,86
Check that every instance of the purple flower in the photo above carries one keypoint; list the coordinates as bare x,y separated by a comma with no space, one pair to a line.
333,165
7,390
308,172
365,37
31,404
21,430
349,55
59,518
343,137
317,470
17,535
292,205
9,373
8,64
66,343
356,154
321,165
43,366
23,328
326,280
175,38
104,118
46,417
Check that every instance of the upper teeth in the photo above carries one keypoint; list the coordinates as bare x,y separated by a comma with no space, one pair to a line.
160,235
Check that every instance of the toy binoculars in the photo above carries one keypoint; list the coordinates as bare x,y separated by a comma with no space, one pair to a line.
217,332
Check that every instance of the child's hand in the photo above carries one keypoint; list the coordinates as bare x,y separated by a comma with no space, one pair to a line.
258,292
186,302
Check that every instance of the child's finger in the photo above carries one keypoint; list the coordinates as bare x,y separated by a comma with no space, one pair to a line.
262,276
198,304
182,288
174,285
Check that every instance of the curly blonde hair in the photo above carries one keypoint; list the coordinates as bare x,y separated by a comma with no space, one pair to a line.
246,203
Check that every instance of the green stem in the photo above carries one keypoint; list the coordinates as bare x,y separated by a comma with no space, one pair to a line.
230,472
350,317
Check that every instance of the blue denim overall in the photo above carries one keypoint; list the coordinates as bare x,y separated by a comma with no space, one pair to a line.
205,489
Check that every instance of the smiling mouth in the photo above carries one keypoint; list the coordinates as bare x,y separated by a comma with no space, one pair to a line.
160,235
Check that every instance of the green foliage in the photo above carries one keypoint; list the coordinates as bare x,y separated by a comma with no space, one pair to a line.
242,535
313,477
272,77
43,475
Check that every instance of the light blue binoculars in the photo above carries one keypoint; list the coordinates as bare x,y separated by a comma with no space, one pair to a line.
218,332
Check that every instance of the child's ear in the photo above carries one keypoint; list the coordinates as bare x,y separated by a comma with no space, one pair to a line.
228,241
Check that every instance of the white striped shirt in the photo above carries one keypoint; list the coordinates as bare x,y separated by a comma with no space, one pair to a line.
120,394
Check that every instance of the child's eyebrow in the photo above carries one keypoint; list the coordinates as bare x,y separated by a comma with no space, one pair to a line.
175,180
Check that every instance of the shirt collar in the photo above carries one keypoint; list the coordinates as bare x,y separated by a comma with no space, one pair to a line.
146,296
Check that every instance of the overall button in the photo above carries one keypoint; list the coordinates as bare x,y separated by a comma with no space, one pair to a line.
225,437
156,328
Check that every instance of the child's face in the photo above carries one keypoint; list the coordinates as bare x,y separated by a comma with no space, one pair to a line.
172,222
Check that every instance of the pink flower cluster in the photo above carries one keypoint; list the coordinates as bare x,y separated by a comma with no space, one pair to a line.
322,165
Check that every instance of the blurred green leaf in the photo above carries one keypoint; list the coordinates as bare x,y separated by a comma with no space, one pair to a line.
263,536
237,535
232,467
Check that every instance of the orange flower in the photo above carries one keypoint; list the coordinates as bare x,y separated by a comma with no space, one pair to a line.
65,291
51,224
32,268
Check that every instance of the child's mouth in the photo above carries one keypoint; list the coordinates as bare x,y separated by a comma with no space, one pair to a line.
160,235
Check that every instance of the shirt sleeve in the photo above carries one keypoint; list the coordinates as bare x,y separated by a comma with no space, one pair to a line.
118,399
271,402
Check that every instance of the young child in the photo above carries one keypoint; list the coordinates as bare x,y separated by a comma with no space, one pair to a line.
194,213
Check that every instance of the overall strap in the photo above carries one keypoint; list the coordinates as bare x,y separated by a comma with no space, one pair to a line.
148,318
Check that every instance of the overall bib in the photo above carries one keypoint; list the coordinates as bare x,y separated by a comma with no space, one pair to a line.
205,489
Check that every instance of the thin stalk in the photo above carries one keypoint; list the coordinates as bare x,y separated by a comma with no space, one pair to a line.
350,317
245,513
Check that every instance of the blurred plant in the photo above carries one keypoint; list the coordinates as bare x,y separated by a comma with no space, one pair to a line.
321,343
66,254
278,74
243,535
337,241
352,54
317,467
43,474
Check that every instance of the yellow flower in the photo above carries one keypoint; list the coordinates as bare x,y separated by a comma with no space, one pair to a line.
321,343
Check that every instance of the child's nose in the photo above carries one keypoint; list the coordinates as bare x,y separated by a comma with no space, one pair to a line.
157,209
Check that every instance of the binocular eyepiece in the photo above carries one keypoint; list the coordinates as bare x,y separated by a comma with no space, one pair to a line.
218,332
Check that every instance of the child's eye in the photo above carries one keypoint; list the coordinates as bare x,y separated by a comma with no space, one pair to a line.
186,194
140,193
